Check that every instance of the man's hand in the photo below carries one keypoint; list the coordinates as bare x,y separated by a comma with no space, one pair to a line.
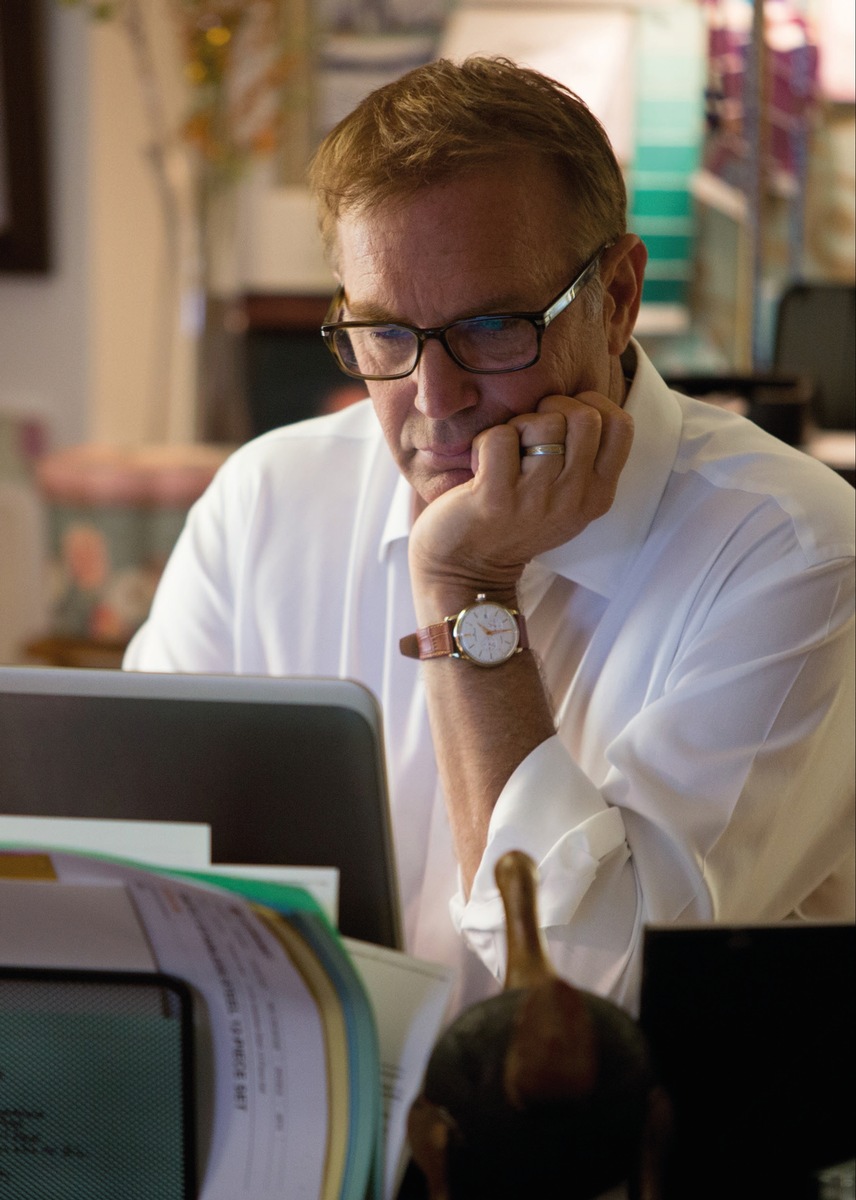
482,533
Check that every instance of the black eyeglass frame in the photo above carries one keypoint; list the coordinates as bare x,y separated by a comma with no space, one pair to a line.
539,321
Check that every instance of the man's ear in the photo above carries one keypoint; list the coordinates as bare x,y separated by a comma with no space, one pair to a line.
623,268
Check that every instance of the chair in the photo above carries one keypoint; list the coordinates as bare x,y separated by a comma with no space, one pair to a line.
814,336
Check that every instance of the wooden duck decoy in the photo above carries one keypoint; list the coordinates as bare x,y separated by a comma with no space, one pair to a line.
544,1091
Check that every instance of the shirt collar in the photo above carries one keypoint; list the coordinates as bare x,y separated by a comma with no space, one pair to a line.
598,557
399,518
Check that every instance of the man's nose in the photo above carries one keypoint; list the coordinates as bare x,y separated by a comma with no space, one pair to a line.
443,388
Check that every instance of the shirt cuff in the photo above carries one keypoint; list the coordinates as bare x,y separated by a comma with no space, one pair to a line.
553,812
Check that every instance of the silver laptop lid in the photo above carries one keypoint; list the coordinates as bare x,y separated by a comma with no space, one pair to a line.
286,771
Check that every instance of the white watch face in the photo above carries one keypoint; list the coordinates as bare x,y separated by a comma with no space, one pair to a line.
487,633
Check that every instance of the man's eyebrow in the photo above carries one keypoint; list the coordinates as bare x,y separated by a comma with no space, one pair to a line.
501,303
367,311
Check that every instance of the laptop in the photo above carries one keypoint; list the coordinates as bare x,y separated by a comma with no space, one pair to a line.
752,1029
286,771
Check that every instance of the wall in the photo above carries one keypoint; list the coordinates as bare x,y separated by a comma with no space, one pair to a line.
141,374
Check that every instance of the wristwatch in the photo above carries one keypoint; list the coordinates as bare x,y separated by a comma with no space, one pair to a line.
485,632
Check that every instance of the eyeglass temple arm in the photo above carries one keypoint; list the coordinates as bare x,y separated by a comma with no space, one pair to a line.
570,294
335,306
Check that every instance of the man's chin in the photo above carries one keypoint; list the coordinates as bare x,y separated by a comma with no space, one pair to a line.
438,483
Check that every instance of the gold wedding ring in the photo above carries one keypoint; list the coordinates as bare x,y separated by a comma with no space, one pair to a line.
543,449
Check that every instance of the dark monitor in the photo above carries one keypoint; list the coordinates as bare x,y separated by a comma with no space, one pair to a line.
752,1030
285,771
95,1061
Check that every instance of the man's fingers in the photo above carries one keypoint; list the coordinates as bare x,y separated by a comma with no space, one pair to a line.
616,435
496,456
584,442
540,429
604,438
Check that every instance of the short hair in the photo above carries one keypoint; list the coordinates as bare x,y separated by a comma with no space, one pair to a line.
445,119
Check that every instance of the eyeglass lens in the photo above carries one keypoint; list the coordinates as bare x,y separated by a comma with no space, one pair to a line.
482,344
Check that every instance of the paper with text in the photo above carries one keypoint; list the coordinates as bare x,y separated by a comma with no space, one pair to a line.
410,997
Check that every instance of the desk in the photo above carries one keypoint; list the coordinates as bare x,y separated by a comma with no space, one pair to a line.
836,448
75,652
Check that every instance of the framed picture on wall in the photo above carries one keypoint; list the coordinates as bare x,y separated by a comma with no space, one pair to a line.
23,176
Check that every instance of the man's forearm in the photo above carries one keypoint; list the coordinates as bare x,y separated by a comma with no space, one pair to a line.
484,723
477,538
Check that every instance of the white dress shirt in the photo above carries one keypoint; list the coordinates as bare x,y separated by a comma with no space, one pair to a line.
696,642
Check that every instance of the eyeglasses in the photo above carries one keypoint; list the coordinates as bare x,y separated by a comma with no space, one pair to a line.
487,345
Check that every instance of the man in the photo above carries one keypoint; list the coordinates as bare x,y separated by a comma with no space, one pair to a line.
668,730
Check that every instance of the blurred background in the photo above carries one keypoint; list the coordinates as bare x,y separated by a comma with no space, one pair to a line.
162,284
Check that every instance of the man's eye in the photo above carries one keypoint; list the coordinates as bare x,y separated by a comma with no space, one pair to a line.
488,326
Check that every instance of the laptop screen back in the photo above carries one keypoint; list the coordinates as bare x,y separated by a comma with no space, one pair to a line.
285,771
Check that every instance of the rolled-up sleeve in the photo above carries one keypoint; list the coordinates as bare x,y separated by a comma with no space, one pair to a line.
551,810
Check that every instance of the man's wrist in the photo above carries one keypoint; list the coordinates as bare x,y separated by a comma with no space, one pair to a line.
437,597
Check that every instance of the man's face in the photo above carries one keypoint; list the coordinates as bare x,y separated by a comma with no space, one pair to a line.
497,241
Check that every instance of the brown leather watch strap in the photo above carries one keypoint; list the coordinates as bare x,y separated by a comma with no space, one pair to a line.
434,641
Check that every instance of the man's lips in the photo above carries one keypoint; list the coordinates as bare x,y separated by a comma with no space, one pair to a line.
448,457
